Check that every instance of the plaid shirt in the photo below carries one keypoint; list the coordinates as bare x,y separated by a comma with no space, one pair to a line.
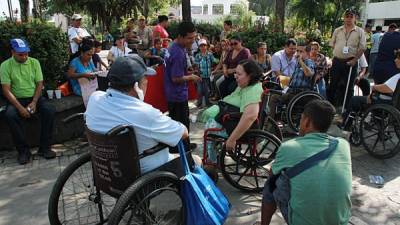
299,79
205,63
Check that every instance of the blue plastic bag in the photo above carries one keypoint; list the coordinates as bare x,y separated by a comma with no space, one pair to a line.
204,203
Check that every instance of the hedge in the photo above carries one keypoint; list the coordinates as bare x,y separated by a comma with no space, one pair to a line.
48,44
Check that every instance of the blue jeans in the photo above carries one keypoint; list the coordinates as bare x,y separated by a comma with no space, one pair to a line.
16,123
203,90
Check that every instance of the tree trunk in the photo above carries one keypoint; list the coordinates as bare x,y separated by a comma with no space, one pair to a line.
280,9
186,10
146,8
24,8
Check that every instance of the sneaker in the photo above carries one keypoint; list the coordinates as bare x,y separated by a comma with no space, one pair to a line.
47,154
24,158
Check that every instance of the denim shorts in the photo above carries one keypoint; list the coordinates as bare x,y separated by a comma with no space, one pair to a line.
269,198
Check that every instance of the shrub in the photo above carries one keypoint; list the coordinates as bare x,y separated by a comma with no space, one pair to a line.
274,40
48,44
207,29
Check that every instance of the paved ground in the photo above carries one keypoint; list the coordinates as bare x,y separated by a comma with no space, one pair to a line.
24,190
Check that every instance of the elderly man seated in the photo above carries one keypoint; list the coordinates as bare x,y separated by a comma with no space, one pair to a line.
122,103
381,94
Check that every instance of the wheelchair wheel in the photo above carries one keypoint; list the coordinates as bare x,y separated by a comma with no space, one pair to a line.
74,199
296,107
152,199
247,167
380,131
272,127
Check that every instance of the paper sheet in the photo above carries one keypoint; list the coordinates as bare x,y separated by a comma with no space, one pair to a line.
87,88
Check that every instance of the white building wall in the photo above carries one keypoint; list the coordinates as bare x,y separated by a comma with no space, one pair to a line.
383,10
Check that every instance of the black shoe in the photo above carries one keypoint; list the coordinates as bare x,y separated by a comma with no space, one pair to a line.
47,154
192,146
24,158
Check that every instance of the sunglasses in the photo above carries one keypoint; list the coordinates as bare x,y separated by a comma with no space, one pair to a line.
234,43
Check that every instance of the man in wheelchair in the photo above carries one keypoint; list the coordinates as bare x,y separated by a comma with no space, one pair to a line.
381,94
301,79
123,104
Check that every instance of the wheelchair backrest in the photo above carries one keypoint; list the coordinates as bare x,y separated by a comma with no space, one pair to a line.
396,96
114,158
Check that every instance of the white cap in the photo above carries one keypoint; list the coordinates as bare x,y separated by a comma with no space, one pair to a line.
76,17
202,42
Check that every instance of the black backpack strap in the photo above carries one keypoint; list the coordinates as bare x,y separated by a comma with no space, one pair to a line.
313,160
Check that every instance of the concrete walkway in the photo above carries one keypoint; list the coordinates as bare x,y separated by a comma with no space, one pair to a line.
24,190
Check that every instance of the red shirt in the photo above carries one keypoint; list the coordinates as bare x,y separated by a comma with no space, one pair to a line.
163,34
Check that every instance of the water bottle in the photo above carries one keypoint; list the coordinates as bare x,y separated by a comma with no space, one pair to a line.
211,151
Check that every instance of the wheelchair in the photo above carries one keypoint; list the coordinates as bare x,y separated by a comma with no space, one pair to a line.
246,167
105,185
291,113
377,127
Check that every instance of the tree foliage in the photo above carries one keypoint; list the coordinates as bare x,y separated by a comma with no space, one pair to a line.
326,14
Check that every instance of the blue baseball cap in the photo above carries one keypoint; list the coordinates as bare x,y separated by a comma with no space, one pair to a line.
19,45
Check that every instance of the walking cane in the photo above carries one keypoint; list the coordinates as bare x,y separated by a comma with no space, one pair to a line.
347,89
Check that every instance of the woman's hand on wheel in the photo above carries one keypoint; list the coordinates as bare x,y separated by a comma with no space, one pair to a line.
230,145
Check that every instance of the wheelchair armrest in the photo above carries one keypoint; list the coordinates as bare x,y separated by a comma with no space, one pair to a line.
73,117
153,150
118,129
278,92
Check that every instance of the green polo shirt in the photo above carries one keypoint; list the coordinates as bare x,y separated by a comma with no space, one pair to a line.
22,77
241,98
320,194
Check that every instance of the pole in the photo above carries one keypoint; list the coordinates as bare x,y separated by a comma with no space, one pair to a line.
347,89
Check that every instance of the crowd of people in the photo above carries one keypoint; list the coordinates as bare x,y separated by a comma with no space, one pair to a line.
149,74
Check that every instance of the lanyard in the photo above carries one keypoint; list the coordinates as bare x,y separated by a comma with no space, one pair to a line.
348,36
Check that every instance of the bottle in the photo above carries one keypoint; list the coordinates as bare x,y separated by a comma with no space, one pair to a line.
211,151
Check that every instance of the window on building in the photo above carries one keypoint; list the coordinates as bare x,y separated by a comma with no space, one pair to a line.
218,9
197,9
235,9
205,9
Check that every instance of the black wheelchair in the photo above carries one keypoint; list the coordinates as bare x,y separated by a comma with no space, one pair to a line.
290,113
377,127
105,185
247,166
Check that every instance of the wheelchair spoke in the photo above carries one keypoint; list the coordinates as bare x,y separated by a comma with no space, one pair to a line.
376,142
243,174
371,135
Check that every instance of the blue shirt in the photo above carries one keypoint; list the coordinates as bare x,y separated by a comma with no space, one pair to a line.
376,40
385,66
176,66
205,63
79,68
299,79
106,110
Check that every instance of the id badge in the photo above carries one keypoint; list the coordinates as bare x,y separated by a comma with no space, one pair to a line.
346,50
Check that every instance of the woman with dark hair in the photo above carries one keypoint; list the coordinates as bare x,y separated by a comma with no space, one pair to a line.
262,58
246,98
321,67
237,54
118,50
82,67
159,31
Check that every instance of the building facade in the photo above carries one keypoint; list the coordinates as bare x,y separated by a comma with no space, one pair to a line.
382,13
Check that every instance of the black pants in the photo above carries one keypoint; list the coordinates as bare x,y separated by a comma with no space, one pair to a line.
179,111
337,87
227,86
16,123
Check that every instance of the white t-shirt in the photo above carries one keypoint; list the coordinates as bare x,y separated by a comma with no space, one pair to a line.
116,52
106,110
362,63
73,33
392,82
280,62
